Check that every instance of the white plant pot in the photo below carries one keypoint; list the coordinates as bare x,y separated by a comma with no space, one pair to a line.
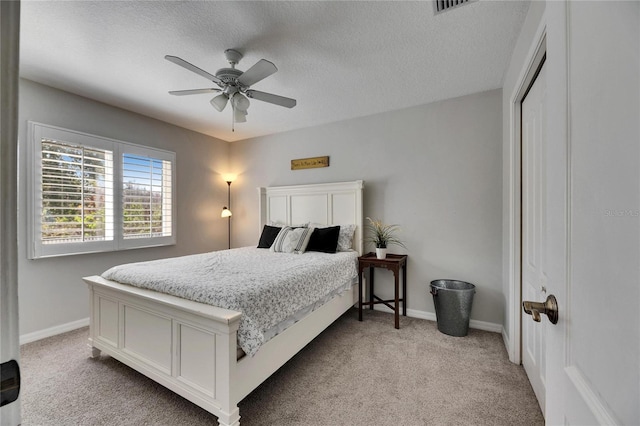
381,253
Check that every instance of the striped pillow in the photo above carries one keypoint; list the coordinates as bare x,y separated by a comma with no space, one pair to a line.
292,240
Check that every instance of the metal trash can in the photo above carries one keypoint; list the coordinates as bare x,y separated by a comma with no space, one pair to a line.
453,300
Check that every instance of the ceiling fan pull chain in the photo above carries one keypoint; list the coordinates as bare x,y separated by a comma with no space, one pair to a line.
233,118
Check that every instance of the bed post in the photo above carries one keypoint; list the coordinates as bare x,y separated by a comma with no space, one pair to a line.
226,375
262,208
95,352
358,238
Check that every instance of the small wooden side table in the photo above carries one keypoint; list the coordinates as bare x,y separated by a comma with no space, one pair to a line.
393,262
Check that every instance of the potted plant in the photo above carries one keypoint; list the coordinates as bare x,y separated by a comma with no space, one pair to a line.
382,235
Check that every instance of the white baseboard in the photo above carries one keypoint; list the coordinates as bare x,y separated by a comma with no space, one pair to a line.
431,316
414,313
58,329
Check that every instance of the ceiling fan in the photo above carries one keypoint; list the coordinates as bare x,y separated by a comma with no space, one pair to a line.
234,84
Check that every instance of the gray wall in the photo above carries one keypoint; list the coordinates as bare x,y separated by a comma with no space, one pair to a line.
51,292
434,169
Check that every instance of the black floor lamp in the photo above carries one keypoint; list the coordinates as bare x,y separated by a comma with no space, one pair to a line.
226,210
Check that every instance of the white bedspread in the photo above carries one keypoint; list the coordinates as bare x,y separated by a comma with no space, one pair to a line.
268,288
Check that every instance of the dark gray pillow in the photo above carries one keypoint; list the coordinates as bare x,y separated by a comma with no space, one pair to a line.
269,234
324,240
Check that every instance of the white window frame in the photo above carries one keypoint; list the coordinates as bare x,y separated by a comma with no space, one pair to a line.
36,133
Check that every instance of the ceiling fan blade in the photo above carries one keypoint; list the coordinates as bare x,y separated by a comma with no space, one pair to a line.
193,68
192,91
261,69
219,102
272,99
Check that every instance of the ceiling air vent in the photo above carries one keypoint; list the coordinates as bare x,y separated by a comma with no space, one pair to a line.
444,5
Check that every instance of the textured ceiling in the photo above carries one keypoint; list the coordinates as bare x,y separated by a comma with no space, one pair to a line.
340,60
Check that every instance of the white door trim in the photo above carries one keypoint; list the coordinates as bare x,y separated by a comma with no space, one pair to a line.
10,414
533,236
533,59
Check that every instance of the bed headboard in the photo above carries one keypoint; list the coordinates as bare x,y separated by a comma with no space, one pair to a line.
325,203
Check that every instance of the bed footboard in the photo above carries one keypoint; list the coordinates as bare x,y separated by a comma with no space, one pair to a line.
188,347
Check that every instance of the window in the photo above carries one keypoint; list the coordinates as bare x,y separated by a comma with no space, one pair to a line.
92,194
146,197
77,193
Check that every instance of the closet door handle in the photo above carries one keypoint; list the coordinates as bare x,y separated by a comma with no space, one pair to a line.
549,307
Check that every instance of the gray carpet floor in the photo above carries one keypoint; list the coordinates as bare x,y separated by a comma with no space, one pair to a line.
355,373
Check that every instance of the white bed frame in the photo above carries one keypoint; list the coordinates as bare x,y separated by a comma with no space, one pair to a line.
191,348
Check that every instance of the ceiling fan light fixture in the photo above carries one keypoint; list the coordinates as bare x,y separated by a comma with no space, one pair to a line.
240,102
219,102
239,116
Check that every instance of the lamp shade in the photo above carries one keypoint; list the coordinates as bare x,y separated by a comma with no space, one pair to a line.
219,102
240,102
239,116
229,177
225,212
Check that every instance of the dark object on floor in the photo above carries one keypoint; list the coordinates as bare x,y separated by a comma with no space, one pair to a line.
9,382
453,300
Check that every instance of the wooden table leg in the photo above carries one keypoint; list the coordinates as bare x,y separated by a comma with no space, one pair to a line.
404,290
397,307
371,287
360,296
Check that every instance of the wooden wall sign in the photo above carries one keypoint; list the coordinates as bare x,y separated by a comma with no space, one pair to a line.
309,163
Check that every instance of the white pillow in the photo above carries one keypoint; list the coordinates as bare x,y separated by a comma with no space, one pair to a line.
292,240
345,240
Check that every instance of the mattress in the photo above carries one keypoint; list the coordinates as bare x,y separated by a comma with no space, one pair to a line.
271,290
